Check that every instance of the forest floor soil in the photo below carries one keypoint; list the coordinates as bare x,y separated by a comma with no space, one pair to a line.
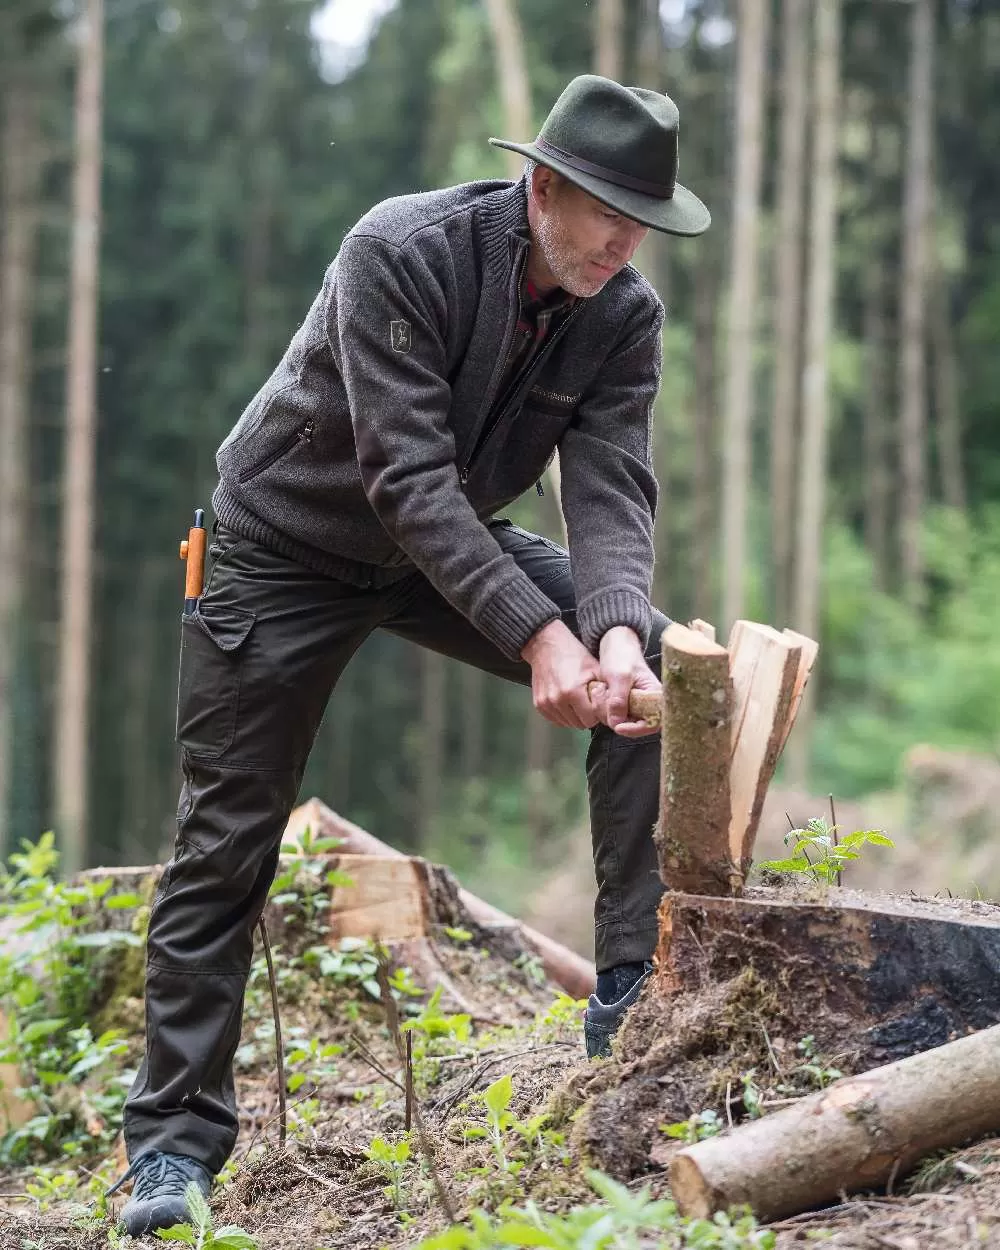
324,1191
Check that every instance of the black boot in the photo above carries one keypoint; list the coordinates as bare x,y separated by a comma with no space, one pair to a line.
158,1192
623,985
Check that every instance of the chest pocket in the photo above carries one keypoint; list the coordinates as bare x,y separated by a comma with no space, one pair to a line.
552,403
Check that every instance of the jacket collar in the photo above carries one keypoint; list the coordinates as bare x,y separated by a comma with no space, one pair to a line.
504,226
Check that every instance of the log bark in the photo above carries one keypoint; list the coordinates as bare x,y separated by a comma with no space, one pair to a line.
576,975
852,1136
692,836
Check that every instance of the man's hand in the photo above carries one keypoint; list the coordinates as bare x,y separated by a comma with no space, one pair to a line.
624,669
561,667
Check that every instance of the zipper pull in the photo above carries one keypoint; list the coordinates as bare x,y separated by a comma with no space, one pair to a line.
306,432
463,477
538,487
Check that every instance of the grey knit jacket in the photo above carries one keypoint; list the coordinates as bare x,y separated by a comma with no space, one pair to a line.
379,443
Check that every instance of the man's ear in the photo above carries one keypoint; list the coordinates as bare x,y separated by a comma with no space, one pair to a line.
544,184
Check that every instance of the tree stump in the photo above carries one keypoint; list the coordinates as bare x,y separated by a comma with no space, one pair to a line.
885,977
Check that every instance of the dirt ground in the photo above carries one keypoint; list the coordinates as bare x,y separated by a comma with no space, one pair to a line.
323,1191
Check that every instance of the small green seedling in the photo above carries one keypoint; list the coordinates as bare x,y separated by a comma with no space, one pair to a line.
200,1233
820,1075
392,1159
695,1128
816,853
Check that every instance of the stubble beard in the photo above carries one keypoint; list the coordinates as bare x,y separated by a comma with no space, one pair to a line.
567,266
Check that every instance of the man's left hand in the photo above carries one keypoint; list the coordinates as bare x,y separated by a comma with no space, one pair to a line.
623,669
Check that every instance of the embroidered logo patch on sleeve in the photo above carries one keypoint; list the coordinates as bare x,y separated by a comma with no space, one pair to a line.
399,335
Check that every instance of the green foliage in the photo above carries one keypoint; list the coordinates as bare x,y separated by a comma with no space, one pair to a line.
696,1127
817,854
200,1233
812,1067
49,978
564,1012
314,1061
392,1158
623,1220
304,884
431,1021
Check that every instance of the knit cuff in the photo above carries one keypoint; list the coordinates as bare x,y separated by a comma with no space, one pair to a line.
618,606
514,614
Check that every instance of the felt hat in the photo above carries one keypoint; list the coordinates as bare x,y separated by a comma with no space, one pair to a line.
620,145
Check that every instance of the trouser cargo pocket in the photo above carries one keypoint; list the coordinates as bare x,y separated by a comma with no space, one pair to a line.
208,688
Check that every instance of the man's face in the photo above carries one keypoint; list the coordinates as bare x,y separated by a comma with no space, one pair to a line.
580,243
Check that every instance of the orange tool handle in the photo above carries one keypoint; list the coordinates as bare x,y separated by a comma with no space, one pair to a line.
193,553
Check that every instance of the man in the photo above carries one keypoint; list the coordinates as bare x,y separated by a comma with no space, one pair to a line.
459,338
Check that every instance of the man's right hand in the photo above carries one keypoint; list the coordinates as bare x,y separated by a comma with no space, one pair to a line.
561,667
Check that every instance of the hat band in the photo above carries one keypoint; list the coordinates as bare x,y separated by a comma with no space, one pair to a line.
662,190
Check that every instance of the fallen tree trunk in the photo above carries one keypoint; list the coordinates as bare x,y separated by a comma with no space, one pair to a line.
854,1135
576,975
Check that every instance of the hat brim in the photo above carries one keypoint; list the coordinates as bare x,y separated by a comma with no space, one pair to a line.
683,214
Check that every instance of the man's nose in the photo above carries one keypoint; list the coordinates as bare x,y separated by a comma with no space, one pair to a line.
627,242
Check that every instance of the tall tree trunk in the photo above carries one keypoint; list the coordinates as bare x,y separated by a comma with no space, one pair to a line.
609,45
788,283
703,545
539,744
73,692
875,438
430,750
473,720
818,317
949,419
20,167
512,75
753,23
653,256
913,296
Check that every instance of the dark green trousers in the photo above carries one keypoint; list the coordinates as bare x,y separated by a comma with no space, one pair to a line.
259,660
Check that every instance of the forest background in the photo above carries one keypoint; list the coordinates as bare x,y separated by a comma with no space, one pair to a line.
826,436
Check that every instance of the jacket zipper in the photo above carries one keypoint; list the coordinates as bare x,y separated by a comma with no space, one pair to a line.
511,327
303,435
517,389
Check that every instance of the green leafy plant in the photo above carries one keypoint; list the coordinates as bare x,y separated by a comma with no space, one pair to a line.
314,1061
392,1158
816,852
623,1220
200,1233
695,1128
564,1012
49,975
303,885
812,1067
431,1021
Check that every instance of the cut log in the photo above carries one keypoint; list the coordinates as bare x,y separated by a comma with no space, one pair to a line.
810,650
765,667
692,836
703,627
576,975
387,898
854,1135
